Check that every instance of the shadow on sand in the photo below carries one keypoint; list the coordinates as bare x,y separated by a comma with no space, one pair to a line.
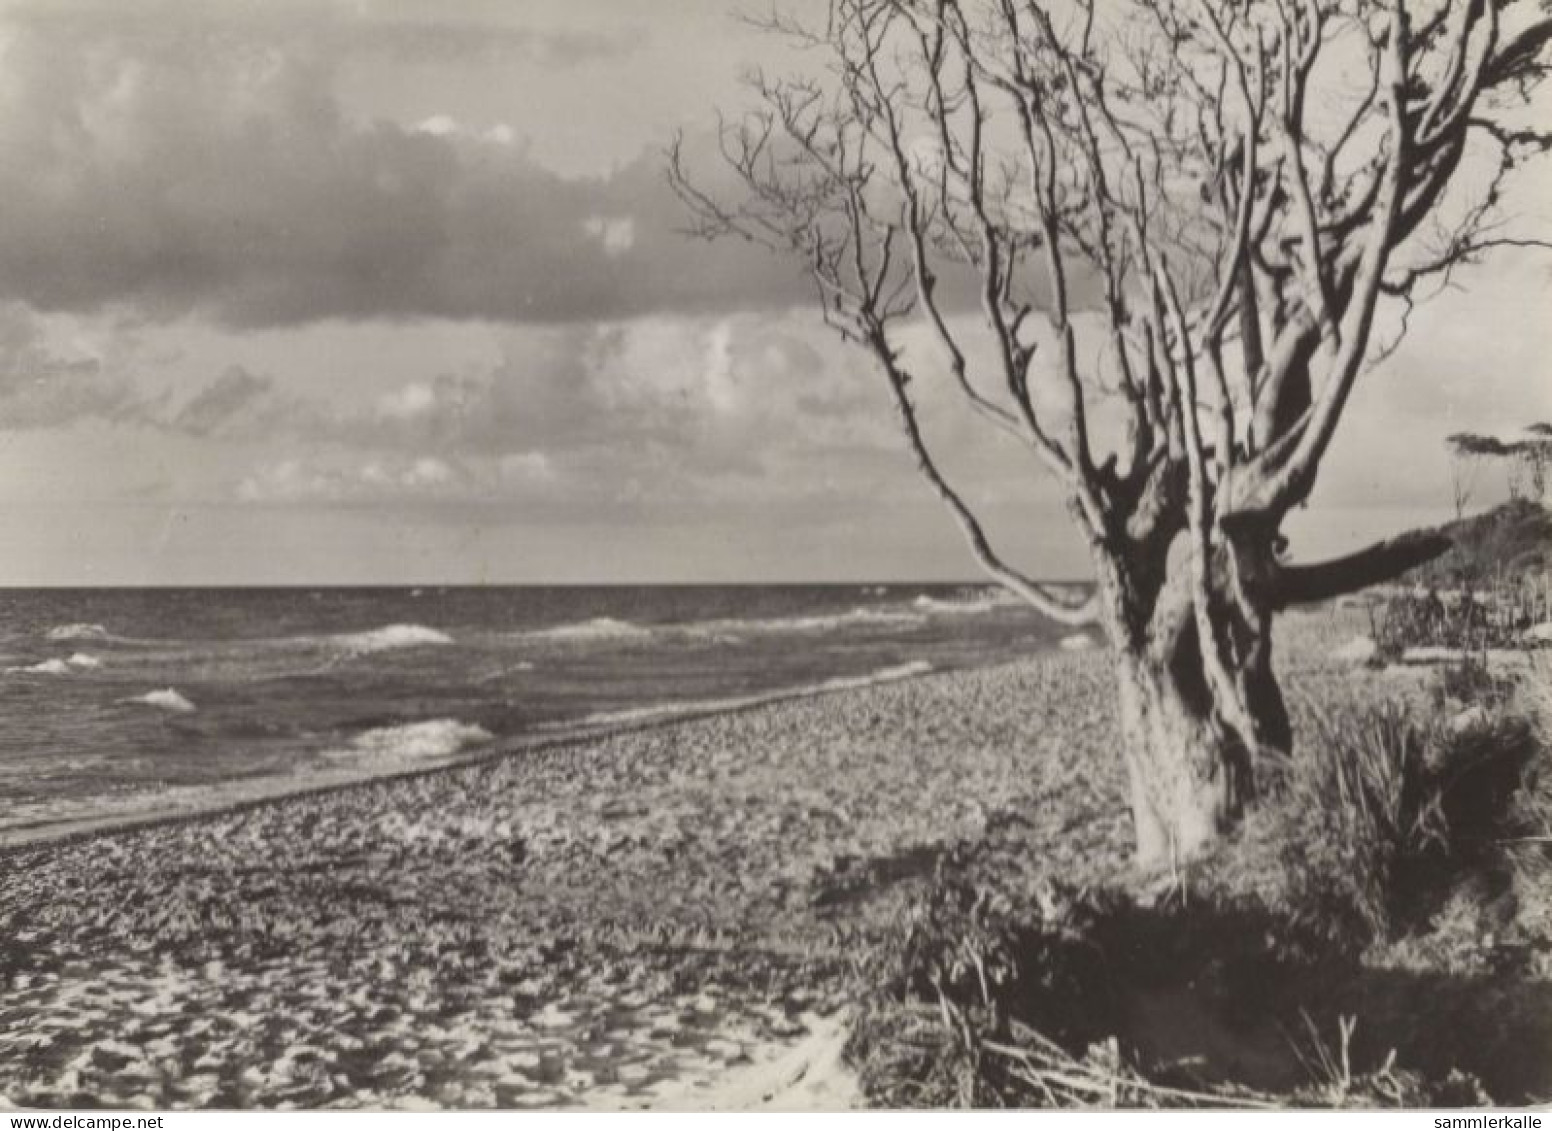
1206,997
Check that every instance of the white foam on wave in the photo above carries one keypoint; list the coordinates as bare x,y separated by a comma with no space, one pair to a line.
509,669
635,715
393,636
411,742
726,630
46,667
598,628
819,622
860,615
963,606
168,699
77,632
56,666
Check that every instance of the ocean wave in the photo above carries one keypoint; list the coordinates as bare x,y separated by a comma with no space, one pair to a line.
825,622
411,742
45,667
630,716
964,604
77,662
392,636
723,630
168,699
98,634
819,622
78,632
490,676
598,628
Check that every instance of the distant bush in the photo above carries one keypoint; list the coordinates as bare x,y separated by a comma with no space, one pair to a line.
1484,592
1466,622
1502,548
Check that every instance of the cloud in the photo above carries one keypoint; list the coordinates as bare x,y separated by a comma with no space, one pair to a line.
44,384
653,415
616,233
159,172
226,399
658,415
342,480
412,33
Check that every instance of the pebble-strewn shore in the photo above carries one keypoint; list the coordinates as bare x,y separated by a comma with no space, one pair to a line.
607,923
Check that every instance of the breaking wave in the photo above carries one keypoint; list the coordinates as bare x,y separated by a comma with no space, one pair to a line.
411,742
77,662
725,629
968,604
392,636
168,699
78,632
46,667
825,622
598,628
732,628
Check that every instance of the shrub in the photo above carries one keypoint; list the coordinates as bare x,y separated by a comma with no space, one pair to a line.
1472,681
1465,622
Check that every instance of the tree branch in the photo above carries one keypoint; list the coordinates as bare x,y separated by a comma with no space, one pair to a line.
1043,598
1302,585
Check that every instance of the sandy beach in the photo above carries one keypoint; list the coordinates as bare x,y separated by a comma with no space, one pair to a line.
660,917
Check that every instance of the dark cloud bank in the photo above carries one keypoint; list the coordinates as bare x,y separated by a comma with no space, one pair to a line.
168,170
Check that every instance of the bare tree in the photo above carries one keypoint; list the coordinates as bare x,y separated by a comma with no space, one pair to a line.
1463,477
1202,188
1526,459
1467,451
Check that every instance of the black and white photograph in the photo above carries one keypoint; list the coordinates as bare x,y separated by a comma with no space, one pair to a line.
775,555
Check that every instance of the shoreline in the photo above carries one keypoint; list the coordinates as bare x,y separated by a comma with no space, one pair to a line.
639,919
659,916
240,794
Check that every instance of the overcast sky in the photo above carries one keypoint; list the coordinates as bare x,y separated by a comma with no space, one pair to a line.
305,291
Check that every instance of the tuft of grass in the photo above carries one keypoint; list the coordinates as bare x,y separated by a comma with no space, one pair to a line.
1387,806
1533,802
1528,845
1370,805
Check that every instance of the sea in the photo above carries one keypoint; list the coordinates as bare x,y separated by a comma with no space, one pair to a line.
123,702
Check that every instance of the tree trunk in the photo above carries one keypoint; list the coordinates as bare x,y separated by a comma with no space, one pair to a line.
1192,740
1190,776
1198,716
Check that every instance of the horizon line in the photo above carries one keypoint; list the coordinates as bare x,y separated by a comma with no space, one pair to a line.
292,585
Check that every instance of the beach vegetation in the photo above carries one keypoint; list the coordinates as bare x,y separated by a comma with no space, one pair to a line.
1360,946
